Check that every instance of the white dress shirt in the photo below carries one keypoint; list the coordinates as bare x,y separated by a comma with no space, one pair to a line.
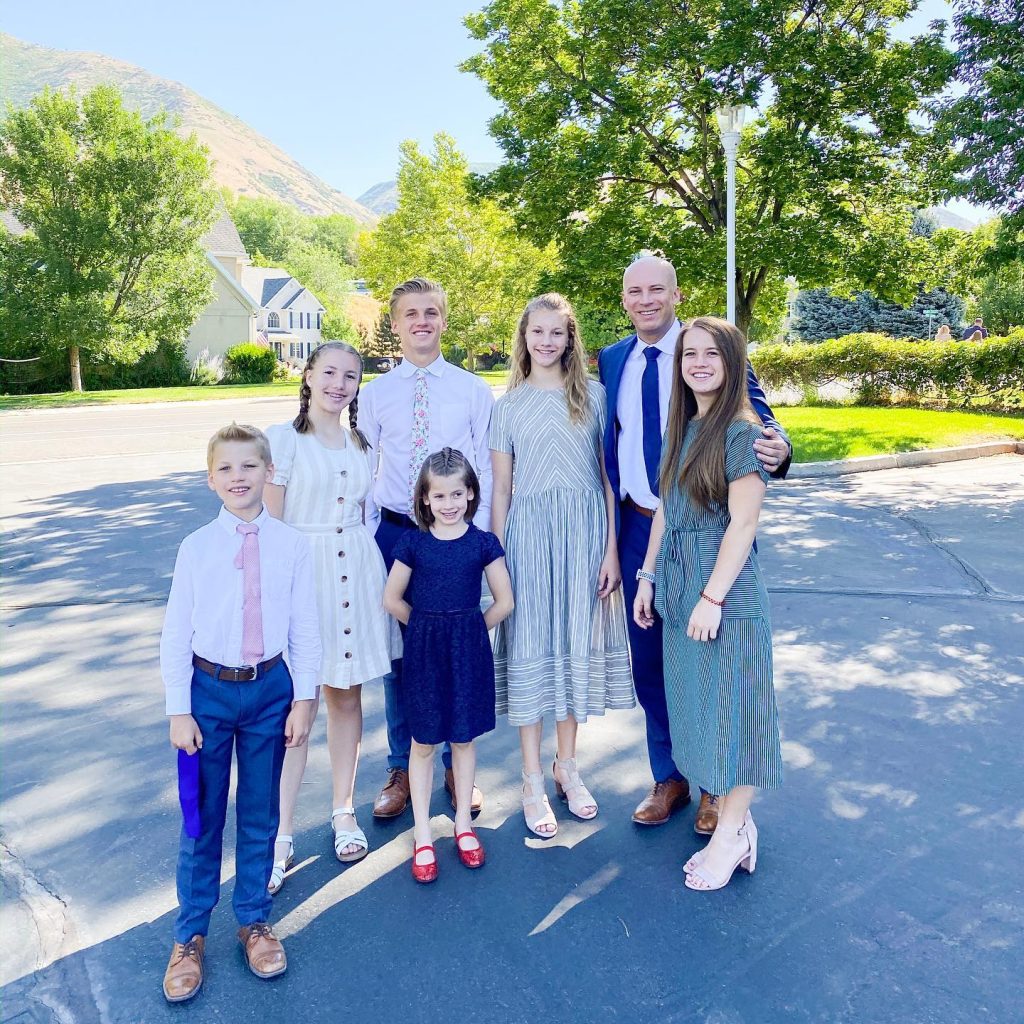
459,408
204,608
633,482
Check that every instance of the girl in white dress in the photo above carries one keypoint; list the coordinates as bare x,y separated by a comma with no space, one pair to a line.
322,476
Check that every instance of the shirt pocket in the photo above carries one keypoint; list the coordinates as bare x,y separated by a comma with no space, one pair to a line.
748,596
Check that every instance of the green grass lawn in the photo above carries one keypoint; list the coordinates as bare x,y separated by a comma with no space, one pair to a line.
820,433
144,396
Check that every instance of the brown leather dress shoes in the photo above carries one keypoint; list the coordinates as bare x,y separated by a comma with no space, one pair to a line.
665,798
707,815
449,787
184,975
394,797
263,950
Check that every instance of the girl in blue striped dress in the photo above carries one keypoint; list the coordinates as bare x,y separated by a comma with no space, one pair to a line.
702,575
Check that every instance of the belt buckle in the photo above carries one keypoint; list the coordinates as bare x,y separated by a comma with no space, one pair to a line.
250,675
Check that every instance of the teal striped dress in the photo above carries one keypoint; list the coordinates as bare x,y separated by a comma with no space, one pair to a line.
721,700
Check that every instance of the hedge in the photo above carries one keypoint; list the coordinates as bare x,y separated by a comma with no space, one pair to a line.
249,363
881,369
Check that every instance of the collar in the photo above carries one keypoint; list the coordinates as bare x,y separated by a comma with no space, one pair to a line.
408,369
666,344
229,520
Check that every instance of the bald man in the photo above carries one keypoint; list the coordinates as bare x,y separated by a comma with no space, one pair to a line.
637,375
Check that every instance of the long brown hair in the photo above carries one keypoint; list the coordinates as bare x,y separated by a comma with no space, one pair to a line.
446,462
302,423
702,473
573,361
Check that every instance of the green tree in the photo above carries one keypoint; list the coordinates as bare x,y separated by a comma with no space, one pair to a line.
1001,298
471,247
608,123
115,208
986,117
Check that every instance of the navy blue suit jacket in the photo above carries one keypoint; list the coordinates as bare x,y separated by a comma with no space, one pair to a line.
610,363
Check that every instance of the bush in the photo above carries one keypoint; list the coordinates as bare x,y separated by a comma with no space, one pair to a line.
166,366
207,369
249,363
880,369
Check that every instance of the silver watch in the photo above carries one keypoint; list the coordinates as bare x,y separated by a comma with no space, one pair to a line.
643,574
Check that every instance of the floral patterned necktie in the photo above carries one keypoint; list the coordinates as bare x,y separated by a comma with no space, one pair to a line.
420,433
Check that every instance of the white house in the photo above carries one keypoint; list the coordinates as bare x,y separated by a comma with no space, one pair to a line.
265,305
290,317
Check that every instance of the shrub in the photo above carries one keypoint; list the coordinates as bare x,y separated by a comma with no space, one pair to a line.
166,366
207,369
249,363
880,369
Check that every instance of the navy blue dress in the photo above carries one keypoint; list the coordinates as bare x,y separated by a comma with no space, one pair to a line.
448,669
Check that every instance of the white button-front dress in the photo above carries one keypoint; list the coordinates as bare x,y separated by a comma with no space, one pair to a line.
325,490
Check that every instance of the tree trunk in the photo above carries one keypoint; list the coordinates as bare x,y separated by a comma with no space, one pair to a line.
471,361
76,369
744,313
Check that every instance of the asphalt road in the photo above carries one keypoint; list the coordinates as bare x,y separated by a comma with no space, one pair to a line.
888,885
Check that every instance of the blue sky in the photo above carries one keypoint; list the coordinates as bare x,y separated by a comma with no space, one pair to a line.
337,85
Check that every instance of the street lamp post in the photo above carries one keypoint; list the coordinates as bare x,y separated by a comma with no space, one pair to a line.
730,124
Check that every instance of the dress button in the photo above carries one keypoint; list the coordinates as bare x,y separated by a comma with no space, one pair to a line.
348,654
339,529
344,579
344,472
341,554
341,501
347,630
344,604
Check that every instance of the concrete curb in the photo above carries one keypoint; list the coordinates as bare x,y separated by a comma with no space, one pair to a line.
904,460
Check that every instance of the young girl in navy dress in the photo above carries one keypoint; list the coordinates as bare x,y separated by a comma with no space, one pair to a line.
448,683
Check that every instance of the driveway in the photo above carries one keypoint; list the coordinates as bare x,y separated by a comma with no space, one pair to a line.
888,885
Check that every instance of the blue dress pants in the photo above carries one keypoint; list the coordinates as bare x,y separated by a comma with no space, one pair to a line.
645,647
249,719
399,735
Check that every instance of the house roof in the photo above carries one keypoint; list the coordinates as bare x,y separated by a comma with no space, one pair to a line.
235,288
294,297
263,283
223,238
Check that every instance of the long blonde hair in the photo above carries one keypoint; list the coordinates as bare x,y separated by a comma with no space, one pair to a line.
573,361
702,473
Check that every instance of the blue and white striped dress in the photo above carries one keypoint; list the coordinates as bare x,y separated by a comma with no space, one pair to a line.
562,651
720,695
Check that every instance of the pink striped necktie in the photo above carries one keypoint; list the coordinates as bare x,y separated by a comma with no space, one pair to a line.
248,560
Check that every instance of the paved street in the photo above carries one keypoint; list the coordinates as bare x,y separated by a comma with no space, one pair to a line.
888,885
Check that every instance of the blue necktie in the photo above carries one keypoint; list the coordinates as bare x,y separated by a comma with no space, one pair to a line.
650,403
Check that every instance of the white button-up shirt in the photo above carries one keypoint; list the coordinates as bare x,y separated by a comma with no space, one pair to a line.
629,410
459,408
204,608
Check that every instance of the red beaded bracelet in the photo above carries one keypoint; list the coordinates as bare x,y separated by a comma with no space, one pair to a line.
719,604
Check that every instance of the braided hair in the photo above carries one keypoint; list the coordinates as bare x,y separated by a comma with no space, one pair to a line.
446,462
302,423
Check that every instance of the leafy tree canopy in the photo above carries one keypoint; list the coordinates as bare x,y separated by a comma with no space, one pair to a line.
987,118
471,247
115,208
608,123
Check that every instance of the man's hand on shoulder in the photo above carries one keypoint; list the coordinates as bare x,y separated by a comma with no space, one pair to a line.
771,449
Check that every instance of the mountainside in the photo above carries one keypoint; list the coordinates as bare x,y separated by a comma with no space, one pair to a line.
245,161
382,198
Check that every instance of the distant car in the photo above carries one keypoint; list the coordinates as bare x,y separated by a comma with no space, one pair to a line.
379,364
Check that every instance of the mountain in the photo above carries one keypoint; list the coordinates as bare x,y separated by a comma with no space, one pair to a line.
245,161
382,198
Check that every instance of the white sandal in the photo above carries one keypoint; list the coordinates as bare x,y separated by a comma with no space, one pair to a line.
574,793
281,866
537,799
348,837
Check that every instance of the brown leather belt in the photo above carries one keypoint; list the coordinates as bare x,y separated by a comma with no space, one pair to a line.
646,512
243,674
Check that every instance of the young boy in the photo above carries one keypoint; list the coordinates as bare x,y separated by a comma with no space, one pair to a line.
423,405
241,600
